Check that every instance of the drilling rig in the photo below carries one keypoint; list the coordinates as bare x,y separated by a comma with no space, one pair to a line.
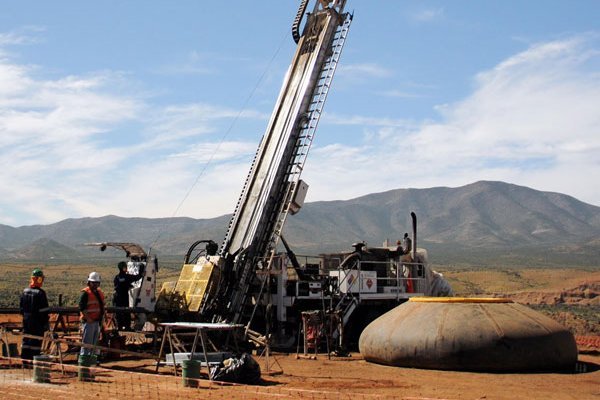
245,280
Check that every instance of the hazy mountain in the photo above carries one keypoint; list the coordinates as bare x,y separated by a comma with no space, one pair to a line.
482,214
167,235
483,221
43,249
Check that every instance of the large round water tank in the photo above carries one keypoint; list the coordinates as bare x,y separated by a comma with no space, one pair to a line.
468,334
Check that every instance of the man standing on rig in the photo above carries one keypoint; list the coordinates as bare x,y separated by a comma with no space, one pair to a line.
406,244
35,321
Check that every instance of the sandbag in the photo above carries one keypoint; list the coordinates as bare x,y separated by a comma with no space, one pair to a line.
238,370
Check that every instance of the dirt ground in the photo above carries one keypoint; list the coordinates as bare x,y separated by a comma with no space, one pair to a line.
359,376
339,378
349,377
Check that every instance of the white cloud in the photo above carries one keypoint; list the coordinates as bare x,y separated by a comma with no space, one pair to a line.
193,64
340,119
222,151
428,15
67,149
364,71
400,94
531,120
191,120
10,38
50,131
16,38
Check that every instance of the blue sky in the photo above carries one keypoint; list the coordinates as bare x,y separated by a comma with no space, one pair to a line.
155,108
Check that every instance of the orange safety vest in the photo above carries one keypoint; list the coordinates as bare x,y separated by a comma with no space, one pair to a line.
93,307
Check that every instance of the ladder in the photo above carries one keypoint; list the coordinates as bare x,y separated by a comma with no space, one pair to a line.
296,165
309,127
268,192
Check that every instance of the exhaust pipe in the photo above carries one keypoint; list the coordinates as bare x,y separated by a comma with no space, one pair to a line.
414,241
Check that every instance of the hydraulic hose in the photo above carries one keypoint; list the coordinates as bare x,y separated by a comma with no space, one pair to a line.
298,20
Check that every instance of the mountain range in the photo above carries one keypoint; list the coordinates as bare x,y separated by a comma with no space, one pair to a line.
481,223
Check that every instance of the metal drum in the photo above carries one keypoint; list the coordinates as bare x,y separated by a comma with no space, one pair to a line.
86,370
469,334
42,366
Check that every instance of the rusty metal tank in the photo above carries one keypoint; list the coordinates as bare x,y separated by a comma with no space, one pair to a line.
468,334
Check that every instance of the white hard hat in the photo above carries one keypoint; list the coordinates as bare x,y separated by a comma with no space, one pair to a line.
94,277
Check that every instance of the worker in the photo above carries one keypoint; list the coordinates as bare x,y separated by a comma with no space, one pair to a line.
406,244
123,282
91,306
35,321
399,250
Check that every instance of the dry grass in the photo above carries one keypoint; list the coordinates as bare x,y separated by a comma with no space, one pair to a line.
491,281
67,280
531,286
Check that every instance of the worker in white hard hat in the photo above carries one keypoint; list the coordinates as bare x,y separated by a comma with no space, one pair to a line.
91,306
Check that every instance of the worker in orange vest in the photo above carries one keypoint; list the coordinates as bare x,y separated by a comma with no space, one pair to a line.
91,306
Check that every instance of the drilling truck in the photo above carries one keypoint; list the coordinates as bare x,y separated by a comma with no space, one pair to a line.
254,278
